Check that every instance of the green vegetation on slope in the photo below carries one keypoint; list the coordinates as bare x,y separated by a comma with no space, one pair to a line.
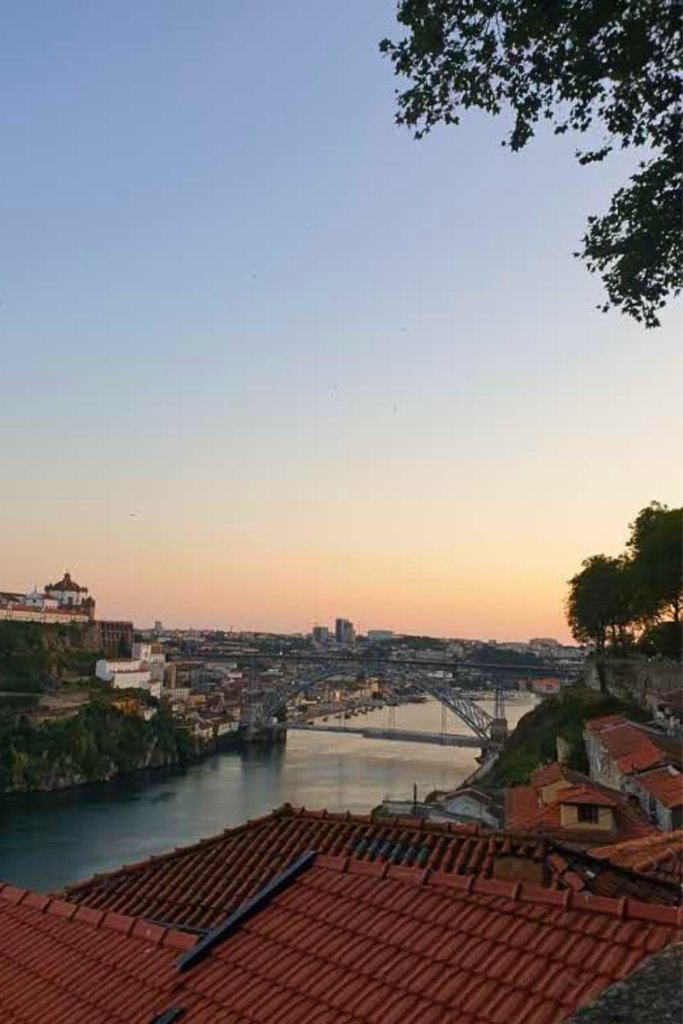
33,655
534,740
94,745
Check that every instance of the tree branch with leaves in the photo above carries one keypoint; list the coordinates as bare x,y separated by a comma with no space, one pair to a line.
611,68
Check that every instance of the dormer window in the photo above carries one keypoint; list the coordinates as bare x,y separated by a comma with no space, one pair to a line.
587,813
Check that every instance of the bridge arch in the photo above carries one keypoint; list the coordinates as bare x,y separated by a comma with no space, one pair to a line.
488,729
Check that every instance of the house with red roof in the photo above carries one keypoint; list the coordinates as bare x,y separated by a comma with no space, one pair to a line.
617,748
572,806
332,940
660,856
660,794
199,885
641,763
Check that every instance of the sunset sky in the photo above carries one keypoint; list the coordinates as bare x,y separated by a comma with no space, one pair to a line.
332,370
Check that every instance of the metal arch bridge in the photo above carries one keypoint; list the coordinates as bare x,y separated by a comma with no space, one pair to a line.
489,730
539,667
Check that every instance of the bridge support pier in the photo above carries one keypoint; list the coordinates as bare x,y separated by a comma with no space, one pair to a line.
253,735
499,732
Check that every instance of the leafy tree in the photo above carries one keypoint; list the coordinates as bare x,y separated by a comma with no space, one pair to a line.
600,602
607,67
93,745
656,552
664,639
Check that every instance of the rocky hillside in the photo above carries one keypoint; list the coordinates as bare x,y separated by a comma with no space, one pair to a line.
95,745
34,656
534,741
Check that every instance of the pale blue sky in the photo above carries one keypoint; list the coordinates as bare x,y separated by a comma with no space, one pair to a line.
311,352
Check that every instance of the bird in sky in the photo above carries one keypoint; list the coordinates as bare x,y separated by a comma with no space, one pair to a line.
134,515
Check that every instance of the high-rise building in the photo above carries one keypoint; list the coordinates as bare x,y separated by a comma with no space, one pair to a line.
344,632
379,635
320,634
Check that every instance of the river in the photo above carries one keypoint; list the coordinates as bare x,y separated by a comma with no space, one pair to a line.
50,839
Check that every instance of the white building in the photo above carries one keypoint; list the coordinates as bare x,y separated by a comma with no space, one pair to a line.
66,592
660,794
62,602
34,599
151,656
125,673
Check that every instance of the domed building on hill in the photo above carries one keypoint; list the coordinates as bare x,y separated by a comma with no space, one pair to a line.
63,601
70,595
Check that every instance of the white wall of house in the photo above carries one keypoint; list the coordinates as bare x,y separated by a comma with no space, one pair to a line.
49,616
151,653
106,668
466,805
125,673
123,680
653,809
602,768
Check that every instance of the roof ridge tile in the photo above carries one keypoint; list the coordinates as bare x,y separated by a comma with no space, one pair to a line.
153,933
61,908
37,901
493,886
12,893
88,915
333,863
118,922
366,867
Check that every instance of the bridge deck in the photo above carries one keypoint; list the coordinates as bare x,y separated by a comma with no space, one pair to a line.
444,739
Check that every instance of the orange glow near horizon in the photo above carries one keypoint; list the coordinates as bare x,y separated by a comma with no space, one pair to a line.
468,587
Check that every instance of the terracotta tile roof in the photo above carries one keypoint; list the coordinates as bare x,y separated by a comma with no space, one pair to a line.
345,942
652,994
630,746
598,724
660,855
584,794
525,811
547,774
199,885
522,805
573,867
69,965
663,784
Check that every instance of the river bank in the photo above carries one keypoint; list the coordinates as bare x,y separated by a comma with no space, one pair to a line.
98,744
50,839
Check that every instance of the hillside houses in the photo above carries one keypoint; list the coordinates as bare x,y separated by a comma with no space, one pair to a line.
640,763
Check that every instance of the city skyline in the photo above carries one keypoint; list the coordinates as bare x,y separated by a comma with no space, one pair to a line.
266,358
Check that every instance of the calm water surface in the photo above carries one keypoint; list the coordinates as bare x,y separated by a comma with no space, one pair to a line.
48,840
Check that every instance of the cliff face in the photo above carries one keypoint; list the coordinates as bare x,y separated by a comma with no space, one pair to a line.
535,740
95,745
33,655
634,678
30,774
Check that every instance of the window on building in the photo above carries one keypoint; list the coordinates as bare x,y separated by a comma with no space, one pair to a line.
587,812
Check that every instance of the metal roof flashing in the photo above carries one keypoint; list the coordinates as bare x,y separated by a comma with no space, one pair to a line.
245,911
